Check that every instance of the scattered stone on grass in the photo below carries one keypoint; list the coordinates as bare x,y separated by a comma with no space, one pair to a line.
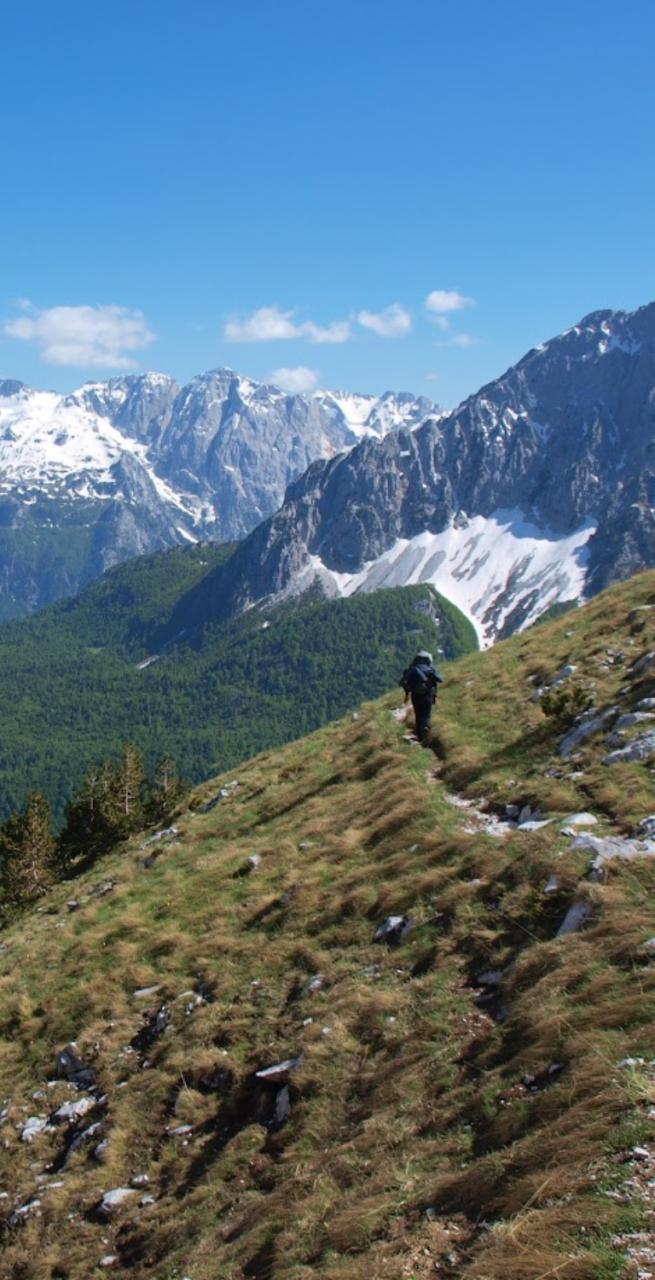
393,930
34,1126
24,1210
279,1071
112,1200
585,726
169,833
70,1112
101,890
640,749
69,1066
642,665
606,848
552,885
577,917
153,1029
251,864
583,819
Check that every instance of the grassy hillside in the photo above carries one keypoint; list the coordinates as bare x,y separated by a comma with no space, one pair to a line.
82,677
475,1102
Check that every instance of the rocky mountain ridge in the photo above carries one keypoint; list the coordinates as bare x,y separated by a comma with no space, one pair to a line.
538,489
137,463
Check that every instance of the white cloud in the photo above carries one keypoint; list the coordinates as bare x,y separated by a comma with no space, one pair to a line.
465,340
441,322
432,377
337,332
270,324
390,323
87,336
298,379
444,301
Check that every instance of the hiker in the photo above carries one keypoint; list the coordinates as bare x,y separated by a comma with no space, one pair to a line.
421,681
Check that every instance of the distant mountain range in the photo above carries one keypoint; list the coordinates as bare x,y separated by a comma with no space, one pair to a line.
537,490
137,463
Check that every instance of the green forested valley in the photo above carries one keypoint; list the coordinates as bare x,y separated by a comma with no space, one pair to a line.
74,685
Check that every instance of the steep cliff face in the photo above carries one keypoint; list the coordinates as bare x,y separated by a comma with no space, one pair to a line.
137,464
537,489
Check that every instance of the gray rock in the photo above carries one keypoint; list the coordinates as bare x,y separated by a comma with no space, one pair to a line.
24,1211
33,1127
577,917
279,1071
627,721
100,890
144,993
69,1066
393,930
139,1180
646,828
646,704
643,664
586,726
73,904
634,752
552,885
169,833
608,848
251,864
563,674
281,1108
71,1112
86,1135
316,983
153,1029
112,1200
511,811
582,819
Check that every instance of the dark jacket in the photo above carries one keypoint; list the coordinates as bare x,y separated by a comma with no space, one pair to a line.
421,680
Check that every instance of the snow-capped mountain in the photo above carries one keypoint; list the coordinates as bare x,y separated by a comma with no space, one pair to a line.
540,488
137,463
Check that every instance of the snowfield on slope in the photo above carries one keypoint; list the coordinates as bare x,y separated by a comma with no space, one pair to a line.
488,566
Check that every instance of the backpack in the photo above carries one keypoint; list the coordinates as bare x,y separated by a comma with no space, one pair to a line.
421,680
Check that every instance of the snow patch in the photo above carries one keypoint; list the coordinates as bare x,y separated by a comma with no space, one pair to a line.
487,566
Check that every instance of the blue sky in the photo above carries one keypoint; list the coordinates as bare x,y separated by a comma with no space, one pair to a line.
282,186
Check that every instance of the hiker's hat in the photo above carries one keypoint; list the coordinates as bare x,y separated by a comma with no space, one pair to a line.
423,653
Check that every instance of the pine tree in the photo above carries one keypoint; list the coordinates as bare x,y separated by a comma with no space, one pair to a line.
28,848
90,828
125,802
167,788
